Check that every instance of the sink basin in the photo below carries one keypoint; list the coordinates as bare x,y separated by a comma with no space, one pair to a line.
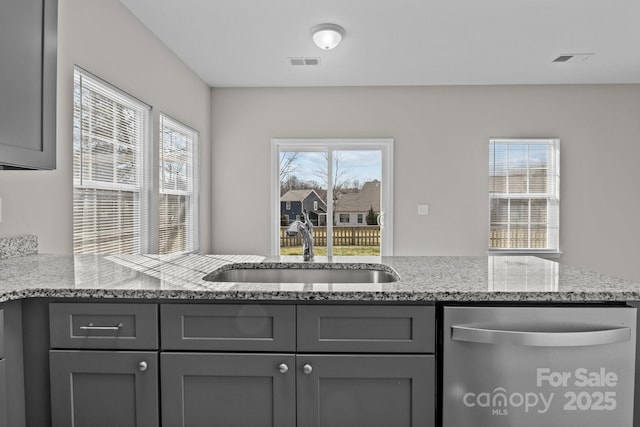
275,273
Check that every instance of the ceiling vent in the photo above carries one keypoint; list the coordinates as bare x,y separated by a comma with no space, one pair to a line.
573,57
304,61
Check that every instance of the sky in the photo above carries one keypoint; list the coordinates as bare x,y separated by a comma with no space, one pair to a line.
361,165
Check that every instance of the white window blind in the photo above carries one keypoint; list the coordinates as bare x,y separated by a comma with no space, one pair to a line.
524,178
109,131
177,201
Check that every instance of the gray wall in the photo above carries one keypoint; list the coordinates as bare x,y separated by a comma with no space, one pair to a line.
104,38
441,154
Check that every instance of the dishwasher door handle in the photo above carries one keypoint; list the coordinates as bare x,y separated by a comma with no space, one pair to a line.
540,339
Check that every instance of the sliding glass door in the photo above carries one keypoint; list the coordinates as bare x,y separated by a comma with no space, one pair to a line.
345,188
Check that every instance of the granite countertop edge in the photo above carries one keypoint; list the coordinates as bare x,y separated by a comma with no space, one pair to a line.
310,296
423,279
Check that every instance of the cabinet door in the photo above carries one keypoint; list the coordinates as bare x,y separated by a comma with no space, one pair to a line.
230,390
365,390
3,393
104,388
28,34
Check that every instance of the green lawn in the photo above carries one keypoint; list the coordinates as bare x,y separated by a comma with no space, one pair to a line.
337,250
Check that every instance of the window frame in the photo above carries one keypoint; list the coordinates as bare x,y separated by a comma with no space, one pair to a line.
193,194
384,145
147,189
142,188
553,197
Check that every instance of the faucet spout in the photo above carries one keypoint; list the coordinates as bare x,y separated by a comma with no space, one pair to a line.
304,228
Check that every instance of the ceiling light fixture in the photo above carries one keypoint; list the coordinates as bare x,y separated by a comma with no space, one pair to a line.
327,36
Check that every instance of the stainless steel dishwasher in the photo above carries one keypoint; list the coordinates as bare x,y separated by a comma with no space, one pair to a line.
538,366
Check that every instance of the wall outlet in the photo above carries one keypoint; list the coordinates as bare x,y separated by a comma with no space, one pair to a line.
423,209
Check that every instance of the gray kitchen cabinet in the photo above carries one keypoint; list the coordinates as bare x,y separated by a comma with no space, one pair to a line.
365,390
104,388
231,390
261,365
228,327
103,326
3,393
366,329
12,403
103,363
28,39
359,374
3,375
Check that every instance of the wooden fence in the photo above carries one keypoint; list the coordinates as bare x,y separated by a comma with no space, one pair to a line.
517,238
342,236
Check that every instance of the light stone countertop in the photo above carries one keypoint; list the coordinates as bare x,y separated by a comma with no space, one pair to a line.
422,278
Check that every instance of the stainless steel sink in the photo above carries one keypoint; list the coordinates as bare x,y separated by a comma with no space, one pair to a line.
265,273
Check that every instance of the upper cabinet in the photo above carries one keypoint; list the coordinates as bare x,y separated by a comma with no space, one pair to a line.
28,46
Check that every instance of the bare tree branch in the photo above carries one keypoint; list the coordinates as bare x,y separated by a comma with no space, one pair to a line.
288,164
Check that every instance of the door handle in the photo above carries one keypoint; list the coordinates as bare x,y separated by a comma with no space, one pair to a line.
540,339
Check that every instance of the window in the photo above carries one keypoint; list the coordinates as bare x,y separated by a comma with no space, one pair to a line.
315,205
360,218
177,201
109,138
343,176
287,206
524,177
113,191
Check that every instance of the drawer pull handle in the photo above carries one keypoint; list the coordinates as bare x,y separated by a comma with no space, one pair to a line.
142,366
90,327
307,369
283,368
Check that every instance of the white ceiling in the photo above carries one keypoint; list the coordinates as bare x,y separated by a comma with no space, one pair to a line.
238,43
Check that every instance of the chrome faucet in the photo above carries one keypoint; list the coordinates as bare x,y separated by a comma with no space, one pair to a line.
306,229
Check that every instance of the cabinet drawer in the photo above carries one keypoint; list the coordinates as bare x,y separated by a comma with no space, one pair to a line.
1,334
104,326
232,327
366,329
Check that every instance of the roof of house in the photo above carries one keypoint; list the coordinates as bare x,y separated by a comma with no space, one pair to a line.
298,195
363,200
295,195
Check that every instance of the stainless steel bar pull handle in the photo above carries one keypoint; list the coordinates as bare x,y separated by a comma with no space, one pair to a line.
90,327
540,339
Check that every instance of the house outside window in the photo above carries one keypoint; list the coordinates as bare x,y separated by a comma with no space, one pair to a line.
110,133
524,177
